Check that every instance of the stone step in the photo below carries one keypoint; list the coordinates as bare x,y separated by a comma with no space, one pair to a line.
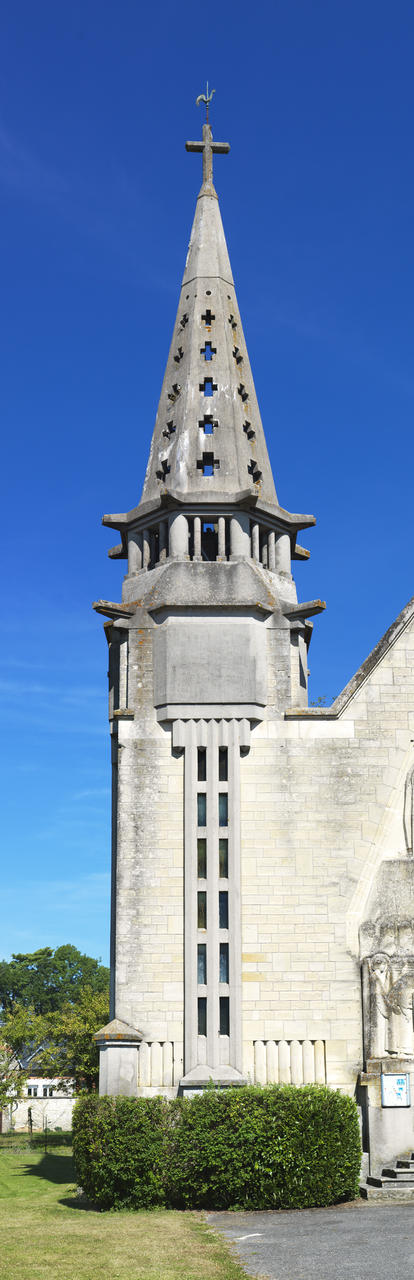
404,1164
392,1190
397,1175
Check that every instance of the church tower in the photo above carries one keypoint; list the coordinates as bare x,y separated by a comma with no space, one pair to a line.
263,850
208,642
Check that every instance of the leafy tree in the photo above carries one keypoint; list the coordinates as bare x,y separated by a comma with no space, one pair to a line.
71,1050
60,1044
47,979
12,1076
51,1003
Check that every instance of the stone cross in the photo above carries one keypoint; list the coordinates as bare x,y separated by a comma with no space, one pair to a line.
207,147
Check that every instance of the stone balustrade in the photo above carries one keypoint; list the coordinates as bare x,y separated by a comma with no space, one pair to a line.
190,537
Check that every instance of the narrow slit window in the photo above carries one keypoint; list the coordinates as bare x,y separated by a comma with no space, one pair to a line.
223,909
201,764
202,909
202,1015
224,962
202,809
223,809
202,965
202,858
224,1016
223,859
223,764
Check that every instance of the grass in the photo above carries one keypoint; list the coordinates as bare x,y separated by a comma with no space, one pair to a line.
48,1233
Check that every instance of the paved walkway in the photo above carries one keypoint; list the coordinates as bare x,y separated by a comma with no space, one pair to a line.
356,1241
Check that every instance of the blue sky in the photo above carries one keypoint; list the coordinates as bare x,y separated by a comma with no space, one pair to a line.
97,197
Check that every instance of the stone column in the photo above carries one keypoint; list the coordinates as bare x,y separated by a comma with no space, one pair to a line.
134,551
282,553
255,542
146,548
222,538
271,551
264,551
163,547
240,536
197,538
178,528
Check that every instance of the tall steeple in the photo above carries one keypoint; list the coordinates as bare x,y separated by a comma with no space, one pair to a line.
208,643
208,435
208,492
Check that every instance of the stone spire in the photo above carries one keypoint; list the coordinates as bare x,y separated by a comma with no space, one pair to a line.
208,436
209,492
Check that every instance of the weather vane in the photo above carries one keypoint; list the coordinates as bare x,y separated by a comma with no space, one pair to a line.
205,97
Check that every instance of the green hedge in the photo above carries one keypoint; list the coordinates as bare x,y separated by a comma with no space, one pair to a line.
279,1147
119,1146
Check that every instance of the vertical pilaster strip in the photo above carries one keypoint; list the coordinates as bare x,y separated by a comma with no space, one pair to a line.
190,896
236,1056
123,672
213,1047
114,833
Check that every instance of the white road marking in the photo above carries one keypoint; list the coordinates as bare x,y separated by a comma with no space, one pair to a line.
249,1237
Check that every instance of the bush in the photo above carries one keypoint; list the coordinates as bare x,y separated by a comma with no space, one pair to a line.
118,1145
279,1147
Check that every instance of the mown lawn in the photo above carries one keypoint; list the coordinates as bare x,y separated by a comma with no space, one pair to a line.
47,1233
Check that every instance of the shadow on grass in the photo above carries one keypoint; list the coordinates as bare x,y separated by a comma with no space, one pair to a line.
53,1168
79,1201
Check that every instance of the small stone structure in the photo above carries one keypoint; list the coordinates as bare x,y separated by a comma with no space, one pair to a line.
262,848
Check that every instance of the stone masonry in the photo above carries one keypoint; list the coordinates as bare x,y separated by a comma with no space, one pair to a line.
250,832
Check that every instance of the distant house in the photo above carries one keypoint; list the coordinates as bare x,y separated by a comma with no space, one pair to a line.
47,1102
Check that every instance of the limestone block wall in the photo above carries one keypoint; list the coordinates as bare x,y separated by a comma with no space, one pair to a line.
321,805
148,860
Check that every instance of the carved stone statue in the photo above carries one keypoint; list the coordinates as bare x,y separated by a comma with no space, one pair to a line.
388,1005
